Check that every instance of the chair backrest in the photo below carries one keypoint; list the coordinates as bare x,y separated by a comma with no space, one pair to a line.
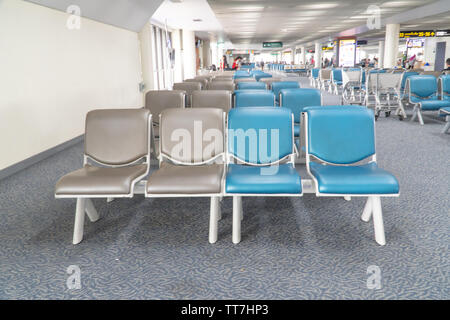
340,134
221,85
405,77
260,135
336,75
254,98
325,74
262,75
297,99
277,86
223,78
117,136
157,101
192,136
269,81
315,73
422,87
251,86
188,87
212,99
204,81
249,79
444,85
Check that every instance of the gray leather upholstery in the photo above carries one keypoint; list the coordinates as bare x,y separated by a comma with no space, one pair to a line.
177,126
203,82
244,80
188,87
91,180
178,179
212,99
117,137
159,100
223,78
221,85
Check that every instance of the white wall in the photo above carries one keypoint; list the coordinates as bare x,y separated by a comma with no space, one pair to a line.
189,63
52,76
178,68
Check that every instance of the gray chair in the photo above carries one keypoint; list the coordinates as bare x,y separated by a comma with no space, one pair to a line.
221,85
223,78
157,101
191,164
236,81
116,158
212,99
188,87
204,82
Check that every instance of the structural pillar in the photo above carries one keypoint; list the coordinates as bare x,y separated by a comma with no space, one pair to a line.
317,55
391,45
303,55
381,54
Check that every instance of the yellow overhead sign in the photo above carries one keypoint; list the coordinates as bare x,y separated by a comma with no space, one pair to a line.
417,34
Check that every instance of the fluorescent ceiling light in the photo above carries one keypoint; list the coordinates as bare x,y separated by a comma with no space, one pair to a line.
328,5
394,4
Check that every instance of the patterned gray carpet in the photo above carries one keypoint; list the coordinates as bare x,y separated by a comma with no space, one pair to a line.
292,248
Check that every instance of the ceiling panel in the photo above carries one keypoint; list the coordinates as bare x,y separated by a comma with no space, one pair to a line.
255,21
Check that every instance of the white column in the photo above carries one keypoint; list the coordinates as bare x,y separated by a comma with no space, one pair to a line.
380,54
146,41
178,67
189,64
317,55
391,45
303,55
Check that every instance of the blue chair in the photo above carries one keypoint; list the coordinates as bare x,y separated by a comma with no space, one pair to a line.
336,81
445,95
401,94
296,100
314,77
260,157
251,86
340,137
277,86
423,94
242,75
254,98
260,76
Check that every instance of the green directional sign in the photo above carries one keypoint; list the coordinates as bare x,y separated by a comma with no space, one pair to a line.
277,44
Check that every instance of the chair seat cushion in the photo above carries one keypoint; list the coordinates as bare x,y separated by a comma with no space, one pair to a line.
179,179
434,104
282,179
91,180
296,129
363,179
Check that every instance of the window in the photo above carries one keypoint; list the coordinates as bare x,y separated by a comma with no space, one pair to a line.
162,71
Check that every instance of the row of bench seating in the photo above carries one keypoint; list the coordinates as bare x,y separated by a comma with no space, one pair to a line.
249,153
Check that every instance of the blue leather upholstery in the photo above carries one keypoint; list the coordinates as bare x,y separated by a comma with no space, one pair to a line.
445,86
240,76
336,76
405,77
363,179
422,87
251,86
445,111
254,98
281,179
277,86
432,105
260,135
296,129
315,73
340,134
297,99
259,76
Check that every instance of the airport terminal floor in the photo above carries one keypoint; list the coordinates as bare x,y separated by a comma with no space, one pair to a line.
215,150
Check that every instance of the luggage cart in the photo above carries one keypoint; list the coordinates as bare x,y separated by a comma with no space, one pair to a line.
352,89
